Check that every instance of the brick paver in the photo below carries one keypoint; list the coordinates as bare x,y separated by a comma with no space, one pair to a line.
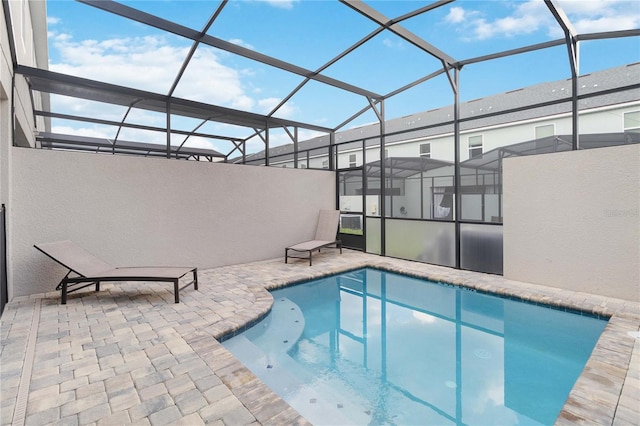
130,355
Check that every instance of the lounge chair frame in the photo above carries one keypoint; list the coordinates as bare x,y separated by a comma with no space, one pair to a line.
326,236
309,252
70,284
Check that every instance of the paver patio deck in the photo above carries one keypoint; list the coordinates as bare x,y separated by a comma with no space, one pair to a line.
129,355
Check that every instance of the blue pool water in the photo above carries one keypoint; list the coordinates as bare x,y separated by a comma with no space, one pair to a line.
373,347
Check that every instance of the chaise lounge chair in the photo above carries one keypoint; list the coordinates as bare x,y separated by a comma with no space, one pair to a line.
93,270
325,236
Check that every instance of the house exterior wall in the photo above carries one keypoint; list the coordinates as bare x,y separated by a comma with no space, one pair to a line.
572,220
17,122
30,39
6,72
145,211
592,121
603,120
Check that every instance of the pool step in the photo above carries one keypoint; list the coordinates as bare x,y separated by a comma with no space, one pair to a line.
282,328
264,350
332,402
267,364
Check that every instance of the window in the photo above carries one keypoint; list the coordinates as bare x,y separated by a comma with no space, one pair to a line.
425,150
303,166
325,164
632,121
475,146
386,153
545,131
352,160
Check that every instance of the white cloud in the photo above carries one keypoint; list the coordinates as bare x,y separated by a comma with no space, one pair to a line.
242,43
602,15
208,80
532,16
285,111
83,131
195,142
455,15
82,107
596,8
305,134
152,63
138,135
527,18
393,44
283,4
607,23
146,63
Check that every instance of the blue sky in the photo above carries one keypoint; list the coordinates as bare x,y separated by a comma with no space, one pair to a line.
87,42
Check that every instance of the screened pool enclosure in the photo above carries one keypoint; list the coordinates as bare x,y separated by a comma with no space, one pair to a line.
417,154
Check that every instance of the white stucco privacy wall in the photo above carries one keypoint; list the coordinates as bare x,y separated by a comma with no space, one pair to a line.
143,211
572,220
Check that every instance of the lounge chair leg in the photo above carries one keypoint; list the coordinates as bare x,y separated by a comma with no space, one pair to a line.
286,254
176,291
64,292
195,278
310,257
97,285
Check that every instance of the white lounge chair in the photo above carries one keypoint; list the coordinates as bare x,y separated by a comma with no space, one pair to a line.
326,235
93,270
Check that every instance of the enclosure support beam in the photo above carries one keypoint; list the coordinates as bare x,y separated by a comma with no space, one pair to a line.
296,147
294,138
194,46
571,42
332,151
383,191
266,143
383,180
168,128
575,108
455,86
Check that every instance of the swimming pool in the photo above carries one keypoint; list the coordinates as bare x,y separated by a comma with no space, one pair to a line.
374,347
